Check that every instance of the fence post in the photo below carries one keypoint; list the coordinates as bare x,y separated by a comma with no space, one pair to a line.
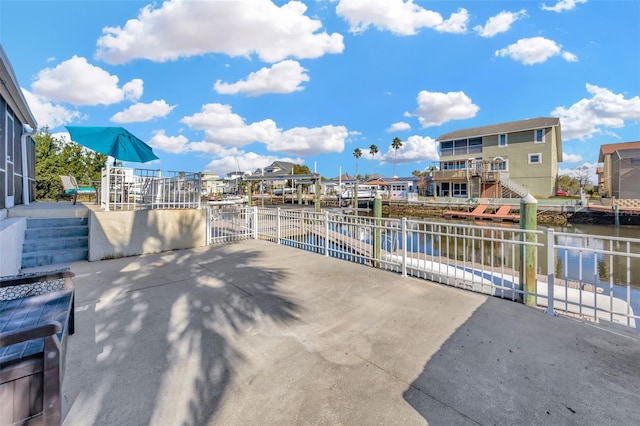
355,199
551,242
299,195
377,234
208,225
404,246
528,223
278,232
317,197
249,194
326,234
255,222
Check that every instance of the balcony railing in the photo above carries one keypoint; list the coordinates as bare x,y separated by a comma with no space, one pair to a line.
124,188
450,174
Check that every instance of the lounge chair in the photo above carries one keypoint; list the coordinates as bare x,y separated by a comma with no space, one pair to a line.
71,189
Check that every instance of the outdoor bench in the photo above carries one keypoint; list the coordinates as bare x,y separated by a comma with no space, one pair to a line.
36,316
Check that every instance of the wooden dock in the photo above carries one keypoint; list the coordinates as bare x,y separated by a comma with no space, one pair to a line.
479,213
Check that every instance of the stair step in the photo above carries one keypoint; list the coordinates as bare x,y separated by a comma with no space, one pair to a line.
41,258
56,231
42,244
57,222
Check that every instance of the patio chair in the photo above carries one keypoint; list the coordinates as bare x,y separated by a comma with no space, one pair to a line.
71,189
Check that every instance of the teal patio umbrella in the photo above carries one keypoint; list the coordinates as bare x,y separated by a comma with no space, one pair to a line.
117,142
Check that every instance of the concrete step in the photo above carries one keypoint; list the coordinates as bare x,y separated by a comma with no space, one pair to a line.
56,244
57,222
55,232
40,258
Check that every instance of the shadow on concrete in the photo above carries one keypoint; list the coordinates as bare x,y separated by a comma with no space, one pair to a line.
510,364
152,335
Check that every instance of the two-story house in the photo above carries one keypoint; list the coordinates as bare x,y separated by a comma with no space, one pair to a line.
620,173
501,160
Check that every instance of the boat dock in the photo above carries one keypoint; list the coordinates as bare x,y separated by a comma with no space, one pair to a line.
479,213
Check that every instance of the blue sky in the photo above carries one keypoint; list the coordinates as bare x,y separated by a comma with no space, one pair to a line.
221,85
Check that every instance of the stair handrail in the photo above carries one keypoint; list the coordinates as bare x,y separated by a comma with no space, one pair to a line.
513,186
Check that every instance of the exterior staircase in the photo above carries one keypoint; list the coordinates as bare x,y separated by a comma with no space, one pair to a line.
54,241
511,189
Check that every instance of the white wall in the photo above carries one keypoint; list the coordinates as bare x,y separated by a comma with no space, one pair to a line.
11,241
116,234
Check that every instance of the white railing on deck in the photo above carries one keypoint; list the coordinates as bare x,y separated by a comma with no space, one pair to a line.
124,188
583,275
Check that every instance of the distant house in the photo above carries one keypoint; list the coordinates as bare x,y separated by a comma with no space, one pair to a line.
212,183
500,160
17,147
621,170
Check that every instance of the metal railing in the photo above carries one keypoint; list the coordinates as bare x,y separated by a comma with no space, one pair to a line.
579,275
129,189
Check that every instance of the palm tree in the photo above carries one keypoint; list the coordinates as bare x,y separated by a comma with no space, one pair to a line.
357,153
373,150
396,143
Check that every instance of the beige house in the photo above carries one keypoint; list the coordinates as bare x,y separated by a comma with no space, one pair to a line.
501,160
620,174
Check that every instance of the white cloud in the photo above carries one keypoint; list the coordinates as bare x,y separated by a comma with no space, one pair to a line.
398,16
435,108
306,141
237,28
535,50
562,5
399,127
414,150
223,128
79,83
283,77
142,112
571,158
499,23
48,114
604,109
175,144
233,158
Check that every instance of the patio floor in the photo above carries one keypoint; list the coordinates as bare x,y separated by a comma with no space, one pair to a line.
257,333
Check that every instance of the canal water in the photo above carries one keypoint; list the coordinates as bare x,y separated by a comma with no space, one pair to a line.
587,257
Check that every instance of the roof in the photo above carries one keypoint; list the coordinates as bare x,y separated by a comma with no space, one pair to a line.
609,149
495,129
11,92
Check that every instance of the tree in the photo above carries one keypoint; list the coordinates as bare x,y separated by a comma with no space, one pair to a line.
396,144
583,176
357,153
55,157
299,170
373,150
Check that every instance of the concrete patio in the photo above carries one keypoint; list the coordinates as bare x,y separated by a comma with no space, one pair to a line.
257,333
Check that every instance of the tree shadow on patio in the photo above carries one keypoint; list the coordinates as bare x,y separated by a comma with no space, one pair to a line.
156,343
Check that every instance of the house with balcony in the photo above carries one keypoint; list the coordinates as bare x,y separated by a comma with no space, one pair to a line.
503,160
620,173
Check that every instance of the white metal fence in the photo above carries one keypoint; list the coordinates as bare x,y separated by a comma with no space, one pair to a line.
128,189
585,276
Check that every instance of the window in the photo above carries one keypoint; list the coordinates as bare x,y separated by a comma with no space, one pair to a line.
502,140
459,189
499,165
539,136
635,162
535,158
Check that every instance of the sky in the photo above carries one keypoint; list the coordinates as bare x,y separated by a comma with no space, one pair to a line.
227,85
